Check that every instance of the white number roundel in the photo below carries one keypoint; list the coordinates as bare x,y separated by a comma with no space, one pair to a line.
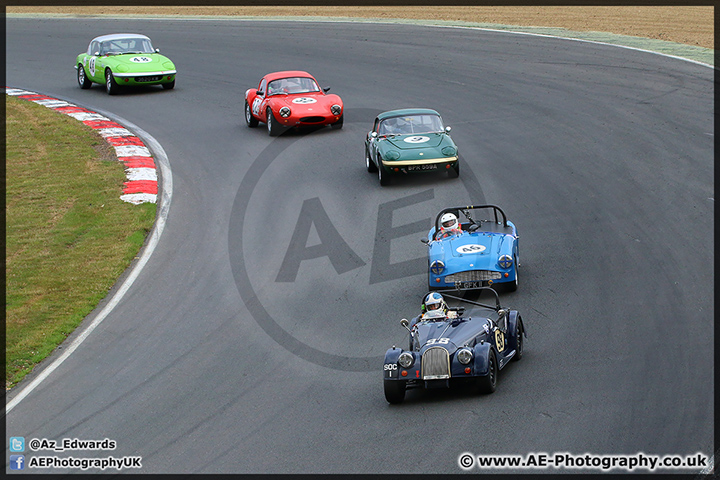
304,100
470,248
416,139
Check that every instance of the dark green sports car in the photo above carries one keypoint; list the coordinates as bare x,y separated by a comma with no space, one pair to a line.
410,140
123,59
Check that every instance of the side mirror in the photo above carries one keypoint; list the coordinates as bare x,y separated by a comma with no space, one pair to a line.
373,134
447,129
96,54
404,322
157,50
325,89
502,312
425,241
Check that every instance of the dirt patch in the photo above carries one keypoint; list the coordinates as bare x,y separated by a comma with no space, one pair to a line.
691,25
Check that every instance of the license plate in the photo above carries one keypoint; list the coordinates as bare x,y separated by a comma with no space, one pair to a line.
148,79
474,284
413,168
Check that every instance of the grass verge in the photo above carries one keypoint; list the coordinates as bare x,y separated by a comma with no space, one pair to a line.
68,235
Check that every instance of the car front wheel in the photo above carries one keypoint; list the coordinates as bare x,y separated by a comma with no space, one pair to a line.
488,382
82,79
382,175
110,85
394,391
339,124
369,164
513,286
251,121
169,85
272,124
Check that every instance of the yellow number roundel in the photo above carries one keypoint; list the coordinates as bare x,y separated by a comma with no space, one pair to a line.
499,340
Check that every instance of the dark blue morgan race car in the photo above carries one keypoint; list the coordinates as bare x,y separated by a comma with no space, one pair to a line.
481,251
447,347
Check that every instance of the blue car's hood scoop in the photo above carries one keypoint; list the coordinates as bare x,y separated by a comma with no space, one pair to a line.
472,245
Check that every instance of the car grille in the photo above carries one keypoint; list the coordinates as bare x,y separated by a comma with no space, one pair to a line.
435,364
473,276
154,78
312,119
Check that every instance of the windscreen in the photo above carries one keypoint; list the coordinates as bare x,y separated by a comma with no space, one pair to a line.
119,46
410,125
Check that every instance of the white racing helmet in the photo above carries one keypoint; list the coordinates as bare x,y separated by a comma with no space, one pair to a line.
433,301
449,221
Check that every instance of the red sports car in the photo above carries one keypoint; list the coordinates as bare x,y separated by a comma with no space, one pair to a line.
291,99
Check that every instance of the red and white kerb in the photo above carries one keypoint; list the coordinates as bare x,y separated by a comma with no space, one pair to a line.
141,185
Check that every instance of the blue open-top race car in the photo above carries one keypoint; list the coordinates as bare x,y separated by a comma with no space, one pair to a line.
479,252
448,347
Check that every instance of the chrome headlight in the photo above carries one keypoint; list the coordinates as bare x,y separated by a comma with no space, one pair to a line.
336,109
285,112
464,356
437,267
505,261
392,155
406,359
449,151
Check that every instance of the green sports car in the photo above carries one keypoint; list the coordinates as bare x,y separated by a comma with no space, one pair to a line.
122,59
408,141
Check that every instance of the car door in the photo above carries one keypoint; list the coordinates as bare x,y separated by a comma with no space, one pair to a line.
258,107
91,62
372,142
500,337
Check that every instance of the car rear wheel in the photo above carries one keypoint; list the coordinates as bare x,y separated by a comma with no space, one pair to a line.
169,85
518,341
382,175
110,85
369,164
488,382
394,391
339,124
82,79
251,121
272,124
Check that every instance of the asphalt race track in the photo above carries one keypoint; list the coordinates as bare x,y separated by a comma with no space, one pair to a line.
214,362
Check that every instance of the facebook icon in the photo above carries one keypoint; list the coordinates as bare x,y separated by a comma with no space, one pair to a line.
17,462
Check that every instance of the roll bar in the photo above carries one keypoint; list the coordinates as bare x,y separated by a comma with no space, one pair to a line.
456,210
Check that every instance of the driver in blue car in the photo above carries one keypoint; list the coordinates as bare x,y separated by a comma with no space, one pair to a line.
449,226
434,301
434,307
